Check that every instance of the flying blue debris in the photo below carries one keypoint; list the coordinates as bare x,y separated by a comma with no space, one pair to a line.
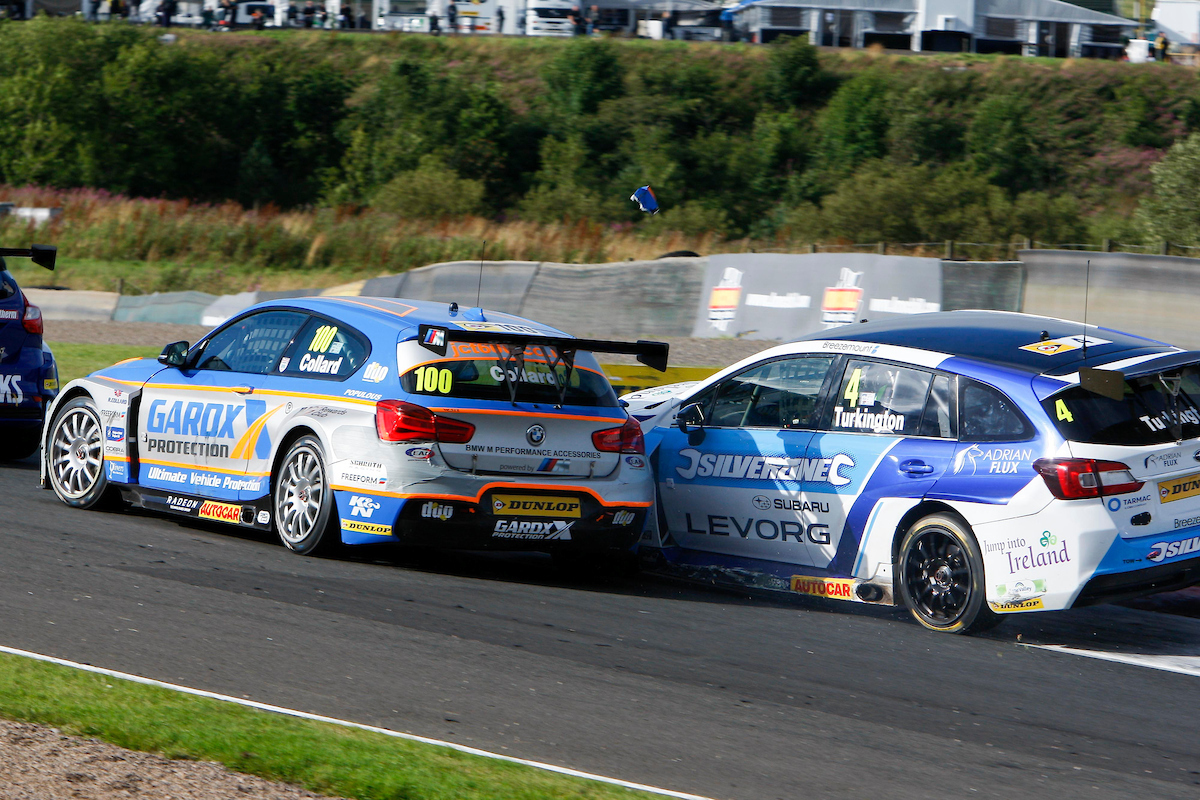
646,200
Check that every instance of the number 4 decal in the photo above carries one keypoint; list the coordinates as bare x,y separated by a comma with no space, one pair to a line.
1063,412
852,387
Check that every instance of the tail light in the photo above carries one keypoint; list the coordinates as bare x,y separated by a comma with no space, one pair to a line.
32,318
397,421
1077,478
625,439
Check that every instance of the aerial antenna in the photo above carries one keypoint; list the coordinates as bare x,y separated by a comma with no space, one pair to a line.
1087,283
479,286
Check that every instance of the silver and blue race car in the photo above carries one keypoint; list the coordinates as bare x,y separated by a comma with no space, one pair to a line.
966,464
367,420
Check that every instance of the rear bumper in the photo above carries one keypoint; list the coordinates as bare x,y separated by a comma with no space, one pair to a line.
1128,585
591,527
28,384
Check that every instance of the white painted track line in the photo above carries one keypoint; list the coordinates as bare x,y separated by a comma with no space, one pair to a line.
347,724
1184,665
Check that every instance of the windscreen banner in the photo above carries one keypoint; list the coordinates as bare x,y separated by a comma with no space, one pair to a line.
785,296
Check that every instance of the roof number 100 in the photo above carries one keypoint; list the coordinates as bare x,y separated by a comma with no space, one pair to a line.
432,379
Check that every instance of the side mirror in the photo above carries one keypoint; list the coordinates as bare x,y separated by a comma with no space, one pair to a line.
174,354
689,418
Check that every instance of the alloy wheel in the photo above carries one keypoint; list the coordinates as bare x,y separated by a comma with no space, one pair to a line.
300,495
937,576
76,453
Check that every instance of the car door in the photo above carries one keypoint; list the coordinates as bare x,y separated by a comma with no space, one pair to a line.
890,428
734,486
322,354
194,420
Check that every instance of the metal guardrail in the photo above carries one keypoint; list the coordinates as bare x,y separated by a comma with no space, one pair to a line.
954,250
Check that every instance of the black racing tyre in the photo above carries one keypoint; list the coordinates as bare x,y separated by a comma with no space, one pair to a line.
681,254
303,500
940,576
75,455
18,445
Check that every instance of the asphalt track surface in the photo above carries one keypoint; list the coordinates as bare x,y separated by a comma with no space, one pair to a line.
688,688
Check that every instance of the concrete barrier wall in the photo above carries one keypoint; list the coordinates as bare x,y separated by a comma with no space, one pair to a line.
500,285
625,300
1154,296
181,308
230,305
66,305
998,285
668,297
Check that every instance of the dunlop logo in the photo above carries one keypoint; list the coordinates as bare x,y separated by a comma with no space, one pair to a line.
510,505
373,528
1179,488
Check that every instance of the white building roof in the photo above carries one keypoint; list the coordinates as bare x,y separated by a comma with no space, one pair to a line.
1043,10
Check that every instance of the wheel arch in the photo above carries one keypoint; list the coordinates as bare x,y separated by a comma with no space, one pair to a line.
923,509
287,440
72,391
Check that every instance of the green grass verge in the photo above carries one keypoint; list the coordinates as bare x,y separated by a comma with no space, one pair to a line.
77,360
146,277
321,757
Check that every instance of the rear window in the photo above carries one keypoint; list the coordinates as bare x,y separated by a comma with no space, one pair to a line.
551,13
325,349
480,376
8,286
1141,417
988,416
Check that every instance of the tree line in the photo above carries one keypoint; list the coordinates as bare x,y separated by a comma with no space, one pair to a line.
777,142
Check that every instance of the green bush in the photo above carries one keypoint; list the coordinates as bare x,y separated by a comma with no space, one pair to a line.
1172,212
430,190
761,141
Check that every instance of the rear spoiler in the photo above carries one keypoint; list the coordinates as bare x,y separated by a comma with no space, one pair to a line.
43,255
1111,382
437,338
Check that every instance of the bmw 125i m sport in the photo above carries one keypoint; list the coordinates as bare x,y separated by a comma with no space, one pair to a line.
28,373
367,420
966,464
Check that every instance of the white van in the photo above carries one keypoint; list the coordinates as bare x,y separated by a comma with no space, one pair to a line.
549,18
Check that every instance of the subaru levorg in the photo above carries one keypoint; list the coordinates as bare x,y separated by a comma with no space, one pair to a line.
965,464
367,420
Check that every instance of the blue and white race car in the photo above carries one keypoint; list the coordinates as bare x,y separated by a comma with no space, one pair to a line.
367,420
28,372
966,464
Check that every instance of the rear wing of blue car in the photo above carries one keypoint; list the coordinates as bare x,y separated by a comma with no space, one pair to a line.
44,255
437,338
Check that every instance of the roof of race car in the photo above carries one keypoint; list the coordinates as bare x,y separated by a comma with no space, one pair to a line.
405,315
1023,342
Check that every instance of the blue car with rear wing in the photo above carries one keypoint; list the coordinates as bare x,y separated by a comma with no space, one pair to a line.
364,420
28,373
967,465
